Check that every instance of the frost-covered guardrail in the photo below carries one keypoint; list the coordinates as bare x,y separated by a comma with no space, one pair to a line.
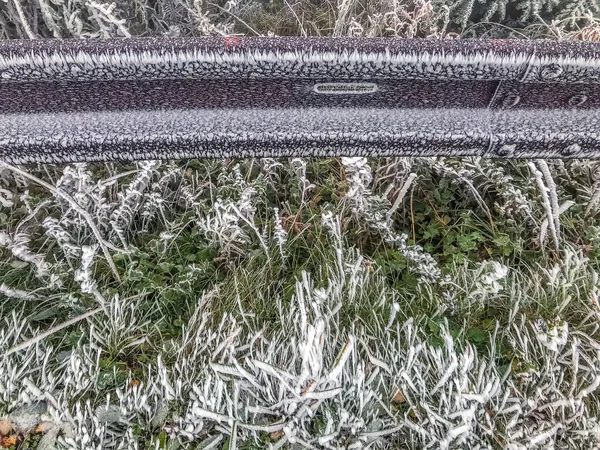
155,98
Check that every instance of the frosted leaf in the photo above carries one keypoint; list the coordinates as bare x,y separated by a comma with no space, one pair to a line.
26,417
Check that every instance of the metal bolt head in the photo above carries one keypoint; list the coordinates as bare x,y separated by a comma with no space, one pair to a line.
578,100
551,71
506,150
511,100
571,149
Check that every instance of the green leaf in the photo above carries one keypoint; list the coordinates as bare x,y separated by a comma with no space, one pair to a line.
477,335
46,313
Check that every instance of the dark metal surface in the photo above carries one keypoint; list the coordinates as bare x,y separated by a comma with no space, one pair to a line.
84,100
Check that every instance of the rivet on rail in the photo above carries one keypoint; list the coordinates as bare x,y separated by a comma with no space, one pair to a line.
571,150
551,71
506,150
511,100
577,100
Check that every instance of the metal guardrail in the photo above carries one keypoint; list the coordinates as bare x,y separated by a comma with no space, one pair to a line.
157,98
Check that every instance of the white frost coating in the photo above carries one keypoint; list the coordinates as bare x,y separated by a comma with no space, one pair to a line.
570,63
83,275
223,123
342,358
154,134
149,64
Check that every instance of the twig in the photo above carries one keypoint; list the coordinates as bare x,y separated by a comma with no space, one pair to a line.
24,23
401,195
110,180
52,330
88,218
412,216
297,18
236,17
109,17
546,201
251,225
343,9
544,226
552,194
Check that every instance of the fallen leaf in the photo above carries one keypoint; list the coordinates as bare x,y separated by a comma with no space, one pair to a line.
48,441
8,441
43,427
6,426
275,435
26,417
398,397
